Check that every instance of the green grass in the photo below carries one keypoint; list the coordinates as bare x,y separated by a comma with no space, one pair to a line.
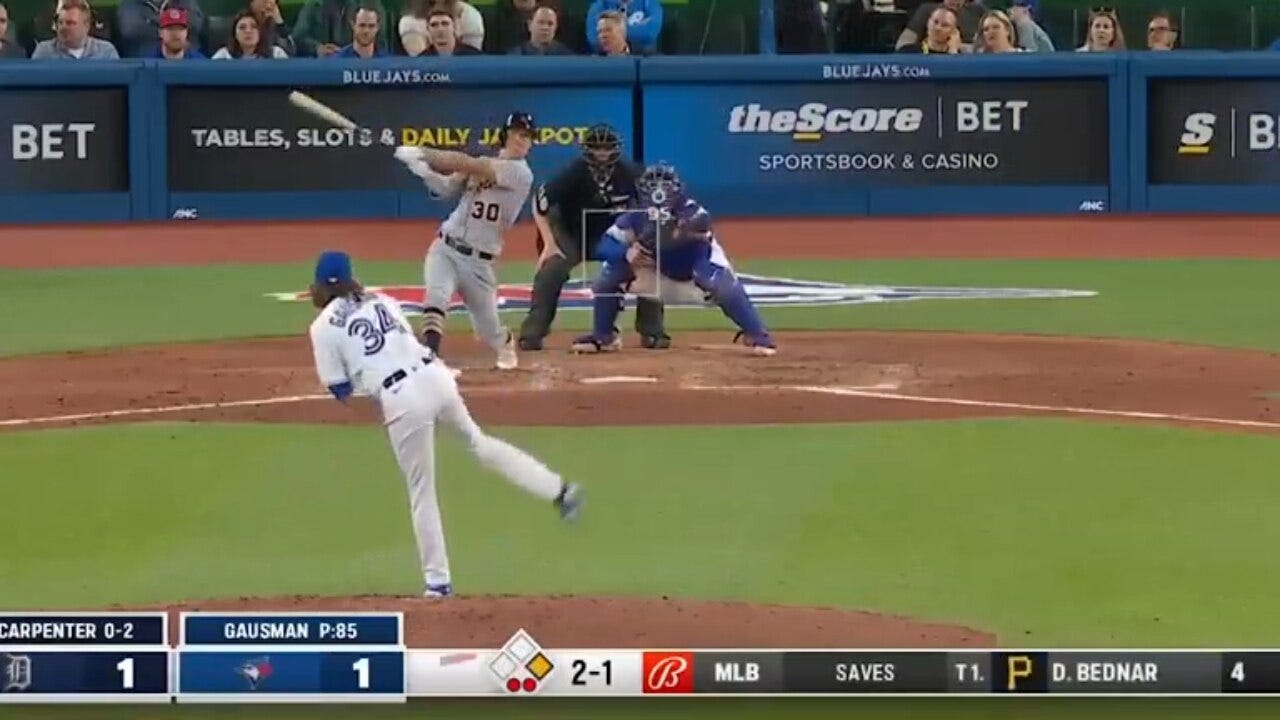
1218,302
1050,533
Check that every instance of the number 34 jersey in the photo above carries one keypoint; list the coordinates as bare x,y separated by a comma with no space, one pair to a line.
486,211
363,340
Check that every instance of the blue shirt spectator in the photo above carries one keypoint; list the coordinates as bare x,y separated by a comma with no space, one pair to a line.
175,37
364,36
644,22
139,21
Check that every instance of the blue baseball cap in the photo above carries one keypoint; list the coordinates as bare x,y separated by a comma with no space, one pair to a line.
333,267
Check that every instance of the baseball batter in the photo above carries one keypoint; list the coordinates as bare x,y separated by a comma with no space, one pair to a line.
363,344
668,248
461,259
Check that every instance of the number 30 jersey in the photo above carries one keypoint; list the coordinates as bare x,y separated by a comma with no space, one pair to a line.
486,212
362,341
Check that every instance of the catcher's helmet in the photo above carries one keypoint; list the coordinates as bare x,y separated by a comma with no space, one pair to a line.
659,185
520,120
602,146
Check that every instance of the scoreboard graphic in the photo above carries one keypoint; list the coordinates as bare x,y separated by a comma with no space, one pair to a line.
361,657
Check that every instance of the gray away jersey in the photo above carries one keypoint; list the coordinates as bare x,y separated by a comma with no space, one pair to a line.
486,212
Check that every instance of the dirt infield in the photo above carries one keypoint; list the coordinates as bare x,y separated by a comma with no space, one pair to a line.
817,377
619,622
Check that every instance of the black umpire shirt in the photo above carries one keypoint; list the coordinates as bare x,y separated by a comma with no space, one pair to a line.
575,189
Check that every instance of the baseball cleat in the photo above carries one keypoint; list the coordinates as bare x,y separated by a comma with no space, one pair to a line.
762,346
438,591
530,344
507,358
655,342
590,344
569,501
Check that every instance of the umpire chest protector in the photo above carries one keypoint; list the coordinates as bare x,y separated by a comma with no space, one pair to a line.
578,188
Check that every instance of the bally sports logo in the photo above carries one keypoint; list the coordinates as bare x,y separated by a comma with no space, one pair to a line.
668,673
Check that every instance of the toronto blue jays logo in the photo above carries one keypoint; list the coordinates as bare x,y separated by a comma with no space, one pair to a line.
255,671
763,291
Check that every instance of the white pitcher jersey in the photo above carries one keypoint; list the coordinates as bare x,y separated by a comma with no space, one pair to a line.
363,341
486,212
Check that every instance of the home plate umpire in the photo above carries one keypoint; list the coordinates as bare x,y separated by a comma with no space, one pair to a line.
600,180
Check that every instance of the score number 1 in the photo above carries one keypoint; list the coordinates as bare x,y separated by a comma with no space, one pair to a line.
361,668
125,667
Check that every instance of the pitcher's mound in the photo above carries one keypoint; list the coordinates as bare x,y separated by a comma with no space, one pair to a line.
606,622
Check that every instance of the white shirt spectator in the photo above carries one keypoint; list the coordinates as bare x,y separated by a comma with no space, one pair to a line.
277,53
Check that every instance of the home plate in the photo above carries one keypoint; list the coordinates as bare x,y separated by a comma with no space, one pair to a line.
618,380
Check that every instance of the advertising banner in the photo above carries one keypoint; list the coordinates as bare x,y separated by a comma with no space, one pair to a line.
246,139
761,138
1213,131
64,140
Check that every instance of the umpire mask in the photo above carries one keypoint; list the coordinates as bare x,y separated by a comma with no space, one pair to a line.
602,147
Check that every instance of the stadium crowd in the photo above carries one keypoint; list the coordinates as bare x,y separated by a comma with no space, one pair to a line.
254,29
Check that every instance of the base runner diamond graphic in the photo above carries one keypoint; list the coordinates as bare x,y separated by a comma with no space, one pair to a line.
521,665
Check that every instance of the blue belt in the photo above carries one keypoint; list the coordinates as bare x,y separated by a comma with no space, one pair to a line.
389,381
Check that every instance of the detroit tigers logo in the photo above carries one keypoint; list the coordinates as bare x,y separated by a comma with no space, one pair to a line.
764,292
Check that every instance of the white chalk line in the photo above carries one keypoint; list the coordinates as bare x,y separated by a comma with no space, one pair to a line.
103,415
880,391
1031,407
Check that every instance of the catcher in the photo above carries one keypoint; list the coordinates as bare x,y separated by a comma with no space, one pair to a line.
673,233
598,181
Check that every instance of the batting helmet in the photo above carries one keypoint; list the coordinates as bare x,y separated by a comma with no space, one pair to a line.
659,185
602,146
516,121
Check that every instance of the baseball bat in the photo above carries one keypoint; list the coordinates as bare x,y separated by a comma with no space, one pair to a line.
309,104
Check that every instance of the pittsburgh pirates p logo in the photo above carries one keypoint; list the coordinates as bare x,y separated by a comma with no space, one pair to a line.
17,673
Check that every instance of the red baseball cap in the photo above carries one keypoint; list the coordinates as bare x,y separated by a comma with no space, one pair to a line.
173,17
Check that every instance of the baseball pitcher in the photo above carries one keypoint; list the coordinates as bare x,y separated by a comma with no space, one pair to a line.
493,191
362,343
572,212
668,248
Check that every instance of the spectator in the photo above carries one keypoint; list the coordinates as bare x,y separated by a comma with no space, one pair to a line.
364,36
1105,34
9,47
942,34
611,34
642,23
968,14
139,24
510,27
1031,37
248,42
442,32
271,25
325,26
415,33
798,27
1162,33
175,37
997,35
73,41
543,24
